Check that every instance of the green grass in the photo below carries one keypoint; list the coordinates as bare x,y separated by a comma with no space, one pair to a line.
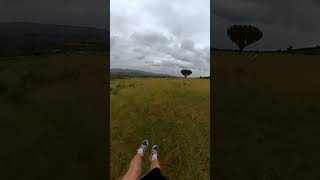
266,116
173,113
53,116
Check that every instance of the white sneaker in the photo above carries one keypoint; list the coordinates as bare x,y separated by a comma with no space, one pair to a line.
142,149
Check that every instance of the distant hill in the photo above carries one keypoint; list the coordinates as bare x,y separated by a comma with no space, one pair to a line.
130,73
204,77
22,38
307,51
27,28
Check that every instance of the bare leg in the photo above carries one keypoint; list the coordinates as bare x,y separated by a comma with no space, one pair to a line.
135,168
154,164
154,158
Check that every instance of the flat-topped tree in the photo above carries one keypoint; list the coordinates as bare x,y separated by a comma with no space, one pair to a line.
244,35
186,72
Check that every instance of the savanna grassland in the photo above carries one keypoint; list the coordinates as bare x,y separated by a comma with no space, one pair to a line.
53,116
266,116
173,113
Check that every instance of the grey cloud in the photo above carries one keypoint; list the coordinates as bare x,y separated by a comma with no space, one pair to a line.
284,23
188,45
132,53
161,37
93,13
291,14
183,19
241,11
141,57
150,38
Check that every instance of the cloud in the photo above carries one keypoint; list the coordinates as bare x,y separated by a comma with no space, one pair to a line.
161,37
187,44
93,13
284,23
150,38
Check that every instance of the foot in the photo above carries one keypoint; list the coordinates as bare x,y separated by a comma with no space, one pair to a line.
142,149
154,153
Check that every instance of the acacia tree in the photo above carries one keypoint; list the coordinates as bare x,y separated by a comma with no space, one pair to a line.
186,72
244,35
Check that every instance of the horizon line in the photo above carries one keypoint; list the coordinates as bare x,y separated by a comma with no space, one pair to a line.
39,23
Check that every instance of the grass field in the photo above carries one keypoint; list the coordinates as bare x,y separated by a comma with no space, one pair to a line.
266,116
173,113
53,116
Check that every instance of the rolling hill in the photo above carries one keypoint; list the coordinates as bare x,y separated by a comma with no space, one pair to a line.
130,73
304,51
22,38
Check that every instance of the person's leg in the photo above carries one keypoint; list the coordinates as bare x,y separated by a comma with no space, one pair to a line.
154,158
154,164
155,172
135,167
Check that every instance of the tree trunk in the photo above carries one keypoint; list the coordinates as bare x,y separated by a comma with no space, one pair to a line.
241,49
185,76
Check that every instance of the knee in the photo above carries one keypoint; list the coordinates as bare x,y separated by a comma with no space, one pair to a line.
133,173
136,169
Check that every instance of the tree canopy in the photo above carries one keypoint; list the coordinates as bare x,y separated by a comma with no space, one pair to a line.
244,35
186,72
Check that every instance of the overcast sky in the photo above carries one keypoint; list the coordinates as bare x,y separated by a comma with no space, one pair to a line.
283,22
162,36
91,13
180,28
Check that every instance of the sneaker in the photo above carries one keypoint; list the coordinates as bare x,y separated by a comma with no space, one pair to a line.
154,153
142,149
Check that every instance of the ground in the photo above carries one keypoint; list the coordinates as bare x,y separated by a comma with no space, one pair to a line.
53,116
173,113
265,119
266,116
